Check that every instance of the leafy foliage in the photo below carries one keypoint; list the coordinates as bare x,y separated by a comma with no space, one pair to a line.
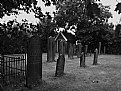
118,8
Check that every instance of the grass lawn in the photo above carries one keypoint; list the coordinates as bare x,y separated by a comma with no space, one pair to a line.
106,76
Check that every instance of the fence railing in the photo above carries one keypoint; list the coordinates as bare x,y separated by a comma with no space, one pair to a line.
12,67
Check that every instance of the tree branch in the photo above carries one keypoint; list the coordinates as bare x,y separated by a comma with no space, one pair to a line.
117,1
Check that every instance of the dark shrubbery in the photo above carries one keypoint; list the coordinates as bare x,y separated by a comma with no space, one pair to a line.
114,47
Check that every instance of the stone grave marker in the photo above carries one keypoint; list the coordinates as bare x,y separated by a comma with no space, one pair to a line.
86,49
34,60
61,60
104,49
51,49
79,49
82,60
70,52
99,48
95,57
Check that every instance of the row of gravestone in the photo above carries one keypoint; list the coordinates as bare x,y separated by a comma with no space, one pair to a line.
61,59
34,59
52,48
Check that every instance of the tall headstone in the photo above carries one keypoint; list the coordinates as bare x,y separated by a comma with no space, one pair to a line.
82,60
34,60
66,47
86,49
74,49
95,57
104,49
99,48
51,49
61,60
79,49
70,52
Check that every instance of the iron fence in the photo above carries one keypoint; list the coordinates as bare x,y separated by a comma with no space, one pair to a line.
12,68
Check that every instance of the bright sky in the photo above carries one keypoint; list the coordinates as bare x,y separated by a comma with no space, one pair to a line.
112,3
30,17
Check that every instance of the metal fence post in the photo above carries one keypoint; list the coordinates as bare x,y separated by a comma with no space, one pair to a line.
2,67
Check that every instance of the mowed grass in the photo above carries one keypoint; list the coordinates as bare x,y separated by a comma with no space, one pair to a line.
106,76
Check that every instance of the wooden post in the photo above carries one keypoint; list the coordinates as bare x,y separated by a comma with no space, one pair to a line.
70,54
61,60
99,48
79,49
34,60
82,60
95,57
51,49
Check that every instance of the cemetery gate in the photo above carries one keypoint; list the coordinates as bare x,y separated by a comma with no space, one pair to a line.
12,68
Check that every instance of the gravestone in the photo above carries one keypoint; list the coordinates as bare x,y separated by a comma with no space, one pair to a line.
34,60
99,48
86,49
74,49
51,49
104,49
70,52
66,47
79,49
82,60
95,57
61,47
61,60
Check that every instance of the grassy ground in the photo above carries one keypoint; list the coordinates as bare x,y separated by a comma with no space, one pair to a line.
106,76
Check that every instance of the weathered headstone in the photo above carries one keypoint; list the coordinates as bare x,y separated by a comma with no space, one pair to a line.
79,49
70,52
34,60
82,60
99,48
51,49
86,49
61,60
104,49
74,49
62,47
95,57
66,47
